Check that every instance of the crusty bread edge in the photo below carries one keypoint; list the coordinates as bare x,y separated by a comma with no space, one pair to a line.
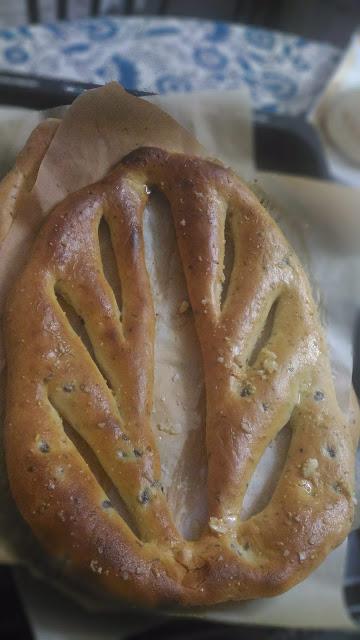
21,178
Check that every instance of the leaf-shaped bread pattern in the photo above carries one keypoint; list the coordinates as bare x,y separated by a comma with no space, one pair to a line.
78,418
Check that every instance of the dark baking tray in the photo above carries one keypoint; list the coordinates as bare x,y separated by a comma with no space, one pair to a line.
282,144
288,145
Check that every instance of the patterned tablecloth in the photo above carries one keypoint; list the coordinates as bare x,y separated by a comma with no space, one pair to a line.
284,73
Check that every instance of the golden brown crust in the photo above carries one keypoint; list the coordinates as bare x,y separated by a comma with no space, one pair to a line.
22,176
52,381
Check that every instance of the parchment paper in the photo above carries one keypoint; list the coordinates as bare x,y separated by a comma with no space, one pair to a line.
304,208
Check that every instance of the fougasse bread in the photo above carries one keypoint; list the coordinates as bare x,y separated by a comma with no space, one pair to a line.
82,445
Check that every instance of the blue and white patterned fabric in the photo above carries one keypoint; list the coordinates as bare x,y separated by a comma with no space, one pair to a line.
284,73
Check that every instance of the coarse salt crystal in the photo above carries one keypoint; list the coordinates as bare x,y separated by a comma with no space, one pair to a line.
309,467
222,525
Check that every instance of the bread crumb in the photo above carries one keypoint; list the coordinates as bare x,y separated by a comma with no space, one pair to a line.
286,553
245,425
170,429
220,359
183,222
183,307
185,555
302,556
269,363
95,567
262,374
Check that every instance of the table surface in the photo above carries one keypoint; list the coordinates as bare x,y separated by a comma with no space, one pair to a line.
284,73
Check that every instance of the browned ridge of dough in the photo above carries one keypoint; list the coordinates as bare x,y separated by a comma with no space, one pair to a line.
56,388
20,180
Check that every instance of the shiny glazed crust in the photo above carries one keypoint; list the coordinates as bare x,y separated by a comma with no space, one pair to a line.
65,413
